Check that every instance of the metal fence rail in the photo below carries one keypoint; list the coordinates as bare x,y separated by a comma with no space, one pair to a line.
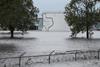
52,57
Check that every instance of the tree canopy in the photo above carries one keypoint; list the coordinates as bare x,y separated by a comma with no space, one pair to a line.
81,15
17,14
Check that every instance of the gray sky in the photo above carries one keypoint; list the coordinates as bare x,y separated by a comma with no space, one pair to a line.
50,5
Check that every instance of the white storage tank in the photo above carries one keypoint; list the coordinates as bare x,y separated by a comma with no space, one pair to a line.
54,21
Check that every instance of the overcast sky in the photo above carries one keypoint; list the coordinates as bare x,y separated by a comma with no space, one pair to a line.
50,5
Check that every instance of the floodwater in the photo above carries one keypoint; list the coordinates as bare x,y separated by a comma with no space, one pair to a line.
34,42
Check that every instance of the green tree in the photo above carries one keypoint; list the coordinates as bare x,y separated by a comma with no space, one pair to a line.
17,15
81,15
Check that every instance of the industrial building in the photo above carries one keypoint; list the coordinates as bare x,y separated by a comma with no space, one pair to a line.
54,21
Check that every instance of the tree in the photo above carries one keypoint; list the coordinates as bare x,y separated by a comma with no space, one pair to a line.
17,15
81,16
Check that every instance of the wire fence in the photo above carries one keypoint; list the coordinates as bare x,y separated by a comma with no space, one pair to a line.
52,57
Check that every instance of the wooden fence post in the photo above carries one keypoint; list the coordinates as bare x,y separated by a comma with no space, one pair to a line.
76,56
98,54
20,58
49,59
4,65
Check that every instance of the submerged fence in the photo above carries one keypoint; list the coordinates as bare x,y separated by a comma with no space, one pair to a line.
52,57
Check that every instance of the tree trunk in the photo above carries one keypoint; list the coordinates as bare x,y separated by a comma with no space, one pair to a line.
87,32
12,33
87,21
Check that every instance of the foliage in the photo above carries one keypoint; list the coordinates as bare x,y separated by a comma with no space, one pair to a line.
81,15
17,14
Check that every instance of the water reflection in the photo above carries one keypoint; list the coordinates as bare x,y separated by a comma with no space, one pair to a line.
6,48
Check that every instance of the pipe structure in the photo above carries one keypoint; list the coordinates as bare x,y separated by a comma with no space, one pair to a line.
52,22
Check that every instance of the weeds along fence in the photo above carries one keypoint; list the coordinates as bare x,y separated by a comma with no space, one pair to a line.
52,57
